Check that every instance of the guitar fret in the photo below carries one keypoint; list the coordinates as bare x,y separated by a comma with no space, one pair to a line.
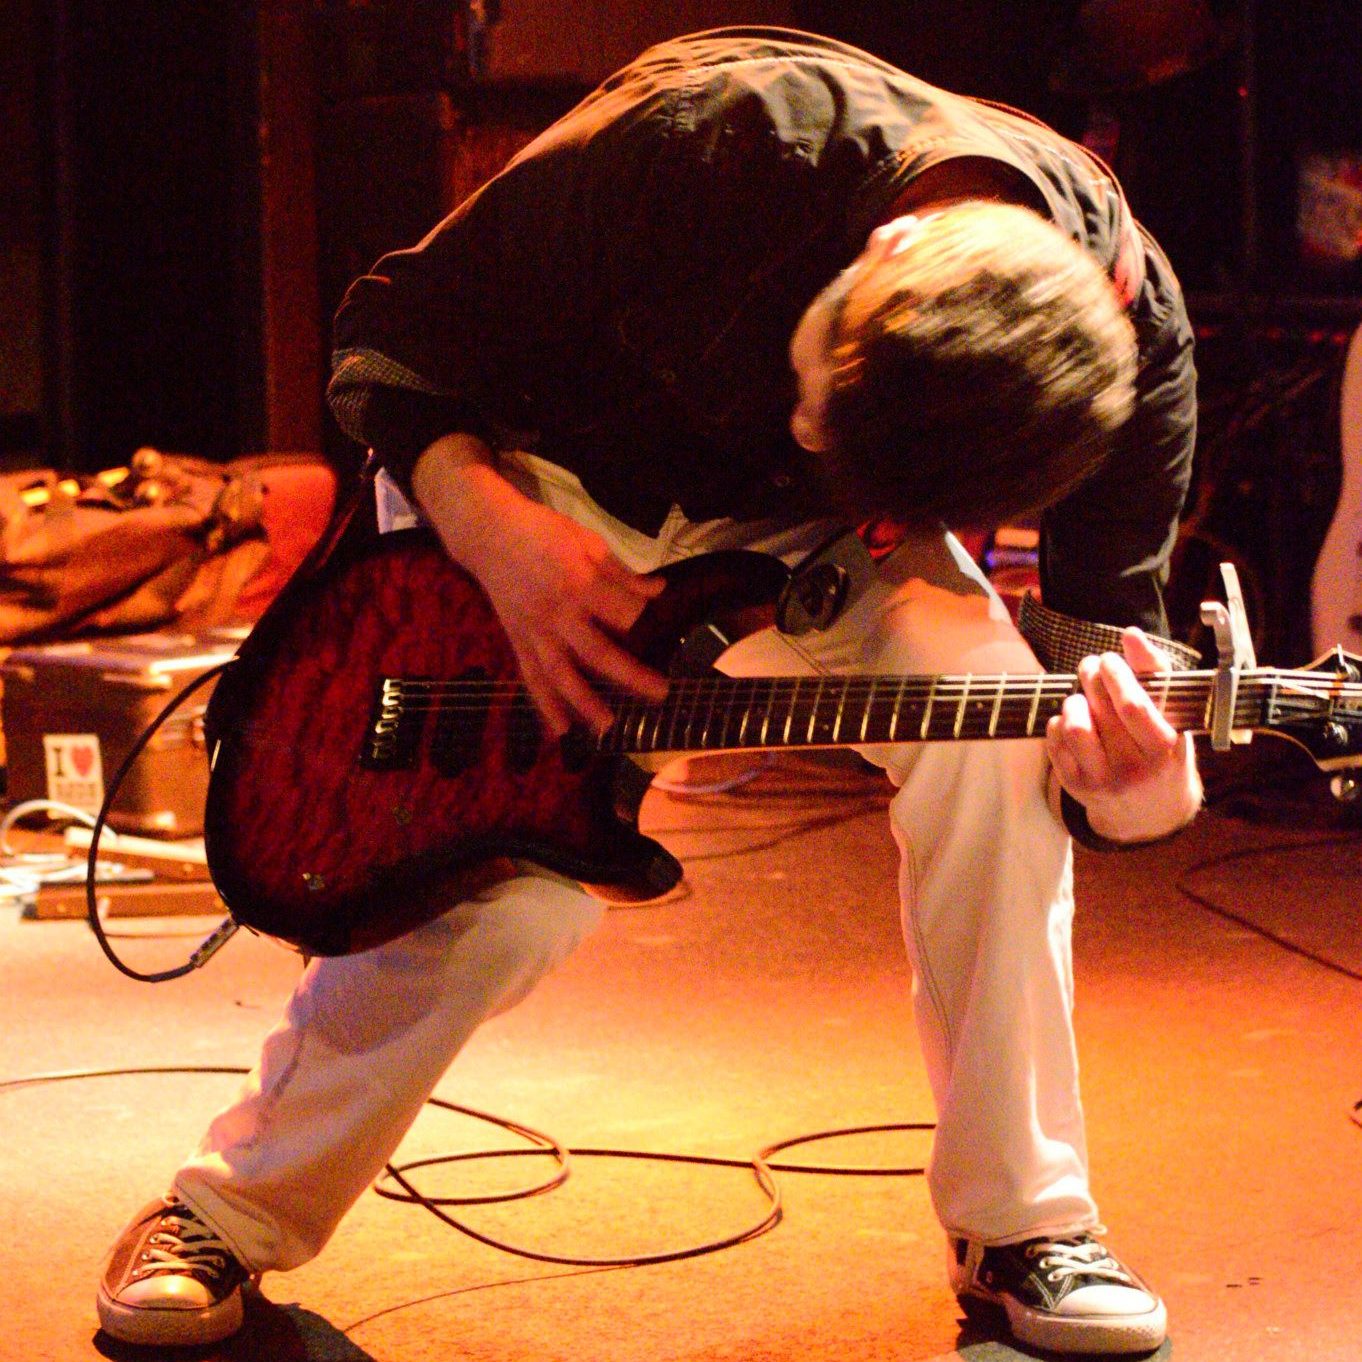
997,705
746,715
675,701
1035,705
927,712
813,709
841,706
668,709
709,713
766,718
898,705
690,724
789,715
610,740
960,711
724,685
1163,692
869,701
734,690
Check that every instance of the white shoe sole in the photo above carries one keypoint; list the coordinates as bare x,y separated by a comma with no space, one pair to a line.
170,1327
1079,1333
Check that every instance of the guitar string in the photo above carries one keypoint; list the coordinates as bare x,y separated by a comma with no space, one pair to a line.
1191,683
879,696
976,696
652,721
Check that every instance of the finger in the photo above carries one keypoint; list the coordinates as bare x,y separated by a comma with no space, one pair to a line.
604,658
1078,740
646,584
573,691
1103,680
1149,734
618,602
1143,654
557,716
1064,762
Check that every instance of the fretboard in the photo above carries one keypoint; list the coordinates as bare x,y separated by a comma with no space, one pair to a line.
720,712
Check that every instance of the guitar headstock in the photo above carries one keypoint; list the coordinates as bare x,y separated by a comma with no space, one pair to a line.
1319,707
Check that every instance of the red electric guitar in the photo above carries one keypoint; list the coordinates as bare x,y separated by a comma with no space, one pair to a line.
372,738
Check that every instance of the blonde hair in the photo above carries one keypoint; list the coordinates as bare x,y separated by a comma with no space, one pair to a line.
979,371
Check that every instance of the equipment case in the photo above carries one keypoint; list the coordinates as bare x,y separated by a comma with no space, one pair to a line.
73,711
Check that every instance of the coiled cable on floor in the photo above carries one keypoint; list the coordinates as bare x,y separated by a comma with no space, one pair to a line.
762,1165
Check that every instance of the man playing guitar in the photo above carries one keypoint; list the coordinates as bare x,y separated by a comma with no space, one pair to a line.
758,287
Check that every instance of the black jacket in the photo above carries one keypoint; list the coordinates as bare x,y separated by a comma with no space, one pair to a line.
621,297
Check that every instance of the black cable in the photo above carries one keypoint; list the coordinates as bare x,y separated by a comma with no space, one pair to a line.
218,937
761,1164
1219,910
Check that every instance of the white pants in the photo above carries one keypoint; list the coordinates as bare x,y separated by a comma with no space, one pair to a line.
986,893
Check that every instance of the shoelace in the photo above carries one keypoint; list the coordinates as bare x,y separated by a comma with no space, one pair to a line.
183,1243
1077,1258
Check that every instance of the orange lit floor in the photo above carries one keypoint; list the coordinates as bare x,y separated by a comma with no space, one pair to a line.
1220,1072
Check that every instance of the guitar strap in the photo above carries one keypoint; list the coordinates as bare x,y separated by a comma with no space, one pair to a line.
833,576
1060,641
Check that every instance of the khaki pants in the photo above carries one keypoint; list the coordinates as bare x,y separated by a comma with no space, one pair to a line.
985,889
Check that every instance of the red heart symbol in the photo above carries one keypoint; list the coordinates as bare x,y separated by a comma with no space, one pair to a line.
83,759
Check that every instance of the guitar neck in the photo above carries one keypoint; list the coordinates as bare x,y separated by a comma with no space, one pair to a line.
716,713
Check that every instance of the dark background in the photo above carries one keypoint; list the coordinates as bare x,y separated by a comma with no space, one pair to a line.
190,187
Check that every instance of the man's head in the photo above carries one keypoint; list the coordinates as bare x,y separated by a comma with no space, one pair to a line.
972,364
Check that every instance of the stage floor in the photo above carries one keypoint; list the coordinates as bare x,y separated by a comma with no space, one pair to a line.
1221,1050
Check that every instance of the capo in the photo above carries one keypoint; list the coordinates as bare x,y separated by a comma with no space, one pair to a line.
1234,649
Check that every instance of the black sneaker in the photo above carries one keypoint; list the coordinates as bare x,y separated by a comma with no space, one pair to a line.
1068,1294
170,1281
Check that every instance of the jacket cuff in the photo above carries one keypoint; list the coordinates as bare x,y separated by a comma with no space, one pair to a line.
400,424
1075,817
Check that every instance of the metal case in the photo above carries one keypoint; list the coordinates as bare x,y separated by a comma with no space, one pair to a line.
73,711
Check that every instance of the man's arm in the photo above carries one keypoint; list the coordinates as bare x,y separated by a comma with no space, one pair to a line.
562,597
1106,552
1106,547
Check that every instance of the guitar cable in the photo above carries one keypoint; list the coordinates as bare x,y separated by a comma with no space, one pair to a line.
763,1166
220,934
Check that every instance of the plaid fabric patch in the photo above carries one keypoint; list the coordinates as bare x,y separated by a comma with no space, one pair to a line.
1061,641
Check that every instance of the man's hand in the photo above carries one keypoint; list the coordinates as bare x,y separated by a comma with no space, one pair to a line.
1113,751
562,597
564,600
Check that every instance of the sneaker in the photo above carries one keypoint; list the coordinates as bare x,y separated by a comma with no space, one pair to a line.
1068,1294
170,1281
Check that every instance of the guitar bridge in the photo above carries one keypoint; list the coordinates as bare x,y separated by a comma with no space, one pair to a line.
393,735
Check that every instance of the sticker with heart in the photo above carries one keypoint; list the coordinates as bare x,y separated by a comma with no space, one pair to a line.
75,770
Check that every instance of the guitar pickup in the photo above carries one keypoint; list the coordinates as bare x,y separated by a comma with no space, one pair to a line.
392,738
459,727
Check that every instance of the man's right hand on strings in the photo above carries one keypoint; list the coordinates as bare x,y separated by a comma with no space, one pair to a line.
562,597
